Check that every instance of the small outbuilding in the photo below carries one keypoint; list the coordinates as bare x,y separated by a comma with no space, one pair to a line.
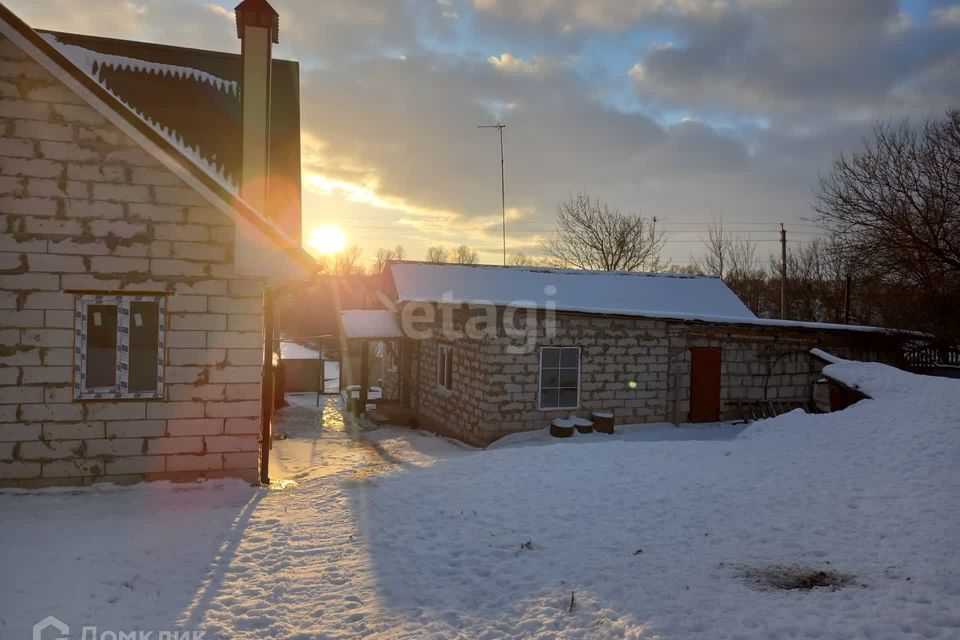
478,352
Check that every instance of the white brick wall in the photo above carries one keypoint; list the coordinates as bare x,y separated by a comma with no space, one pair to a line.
85,209
496,393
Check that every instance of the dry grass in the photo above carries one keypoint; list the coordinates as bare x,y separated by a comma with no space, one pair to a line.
790,577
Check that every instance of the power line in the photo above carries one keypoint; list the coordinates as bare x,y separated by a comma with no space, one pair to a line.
348,225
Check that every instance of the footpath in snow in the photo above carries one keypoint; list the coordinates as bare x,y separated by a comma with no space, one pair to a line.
397,534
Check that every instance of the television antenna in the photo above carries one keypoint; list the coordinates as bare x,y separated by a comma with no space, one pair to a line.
503,198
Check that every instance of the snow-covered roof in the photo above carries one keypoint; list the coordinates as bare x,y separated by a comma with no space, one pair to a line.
370,324
588,291
89,60
653,295
294,351
829,358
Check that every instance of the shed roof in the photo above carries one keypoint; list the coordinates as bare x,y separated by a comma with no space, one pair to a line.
597,291
372,324
290,350
653,295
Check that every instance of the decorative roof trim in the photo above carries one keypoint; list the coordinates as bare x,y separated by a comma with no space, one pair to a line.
47,56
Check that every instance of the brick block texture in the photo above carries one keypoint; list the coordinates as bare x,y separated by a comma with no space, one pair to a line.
639,368
83,208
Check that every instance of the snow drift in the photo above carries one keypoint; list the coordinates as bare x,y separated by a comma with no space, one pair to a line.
652,537
393,534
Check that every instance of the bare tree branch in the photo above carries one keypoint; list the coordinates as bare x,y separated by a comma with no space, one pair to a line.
591,235
893,211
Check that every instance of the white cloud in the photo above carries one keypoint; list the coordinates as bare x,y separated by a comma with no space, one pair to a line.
538,66
396,156
947,16
117,18
608,15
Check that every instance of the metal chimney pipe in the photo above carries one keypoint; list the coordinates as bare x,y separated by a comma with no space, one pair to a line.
258,27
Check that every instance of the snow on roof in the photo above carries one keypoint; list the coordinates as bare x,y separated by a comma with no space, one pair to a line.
654,295
829,358
370,323
630,293
90,62
294,351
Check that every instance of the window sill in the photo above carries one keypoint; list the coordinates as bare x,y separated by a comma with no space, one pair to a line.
118,397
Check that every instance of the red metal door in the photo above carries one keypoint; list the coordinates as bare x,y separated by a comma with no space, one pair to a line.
705,384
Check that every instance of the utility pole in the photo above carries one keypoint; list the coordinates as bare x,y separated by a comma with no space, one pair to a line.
503,198
783,272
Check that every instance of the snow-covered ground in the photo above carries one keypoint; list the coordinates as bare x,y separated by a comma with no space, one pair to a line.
397,534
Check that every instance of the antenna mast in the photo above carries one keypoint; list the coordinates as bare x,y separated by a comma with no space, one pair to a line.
503,198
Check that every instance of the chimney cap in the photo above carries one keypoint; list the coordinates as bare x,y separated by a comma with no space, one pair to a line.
258,13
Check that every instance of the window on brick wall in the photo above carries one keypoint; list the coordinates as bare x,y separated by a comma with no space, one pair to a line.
119,347
559,377
445,367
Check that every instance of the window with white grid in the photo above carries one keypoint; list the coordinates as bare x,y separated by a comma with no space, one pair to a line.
559,377
118,346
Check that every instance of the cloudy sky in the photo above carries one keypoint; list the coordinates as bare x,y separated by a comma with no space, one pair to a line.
687,110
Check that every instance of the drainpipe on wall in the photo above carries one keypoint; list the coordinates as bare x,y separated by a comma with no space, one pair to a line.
266,388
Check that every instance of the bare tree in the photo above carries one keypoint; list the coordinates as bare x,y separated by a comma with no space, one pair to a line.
386,255
716,251
687,269
734,259
464,255
726,254
437,255
521,260
347,262
893,210
815,282
324,263
591,235
381,259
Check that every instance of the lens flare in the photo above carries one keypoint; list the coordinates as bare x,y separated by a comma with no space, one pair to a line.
327,240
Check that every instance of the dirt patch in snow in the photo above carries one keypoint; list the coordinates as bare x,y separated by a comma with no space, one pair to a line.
793,577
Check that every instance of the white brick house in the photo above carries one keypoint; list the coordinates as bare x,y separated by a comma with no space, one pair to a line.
132,282
477,352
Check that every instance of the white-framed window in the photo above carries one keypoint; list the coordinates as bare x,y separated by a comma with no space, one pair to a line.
559,377
118,346
445,366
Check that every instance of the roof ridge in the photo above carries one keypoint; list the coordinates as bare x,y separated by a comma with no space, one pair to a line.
115,61
560,270
152,45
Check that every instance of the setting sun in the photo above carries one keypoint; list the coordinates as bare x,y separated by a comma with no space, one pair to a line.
327,240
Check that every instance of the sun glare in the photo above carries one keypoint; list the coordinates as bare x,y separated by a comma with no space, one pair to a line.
327,240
